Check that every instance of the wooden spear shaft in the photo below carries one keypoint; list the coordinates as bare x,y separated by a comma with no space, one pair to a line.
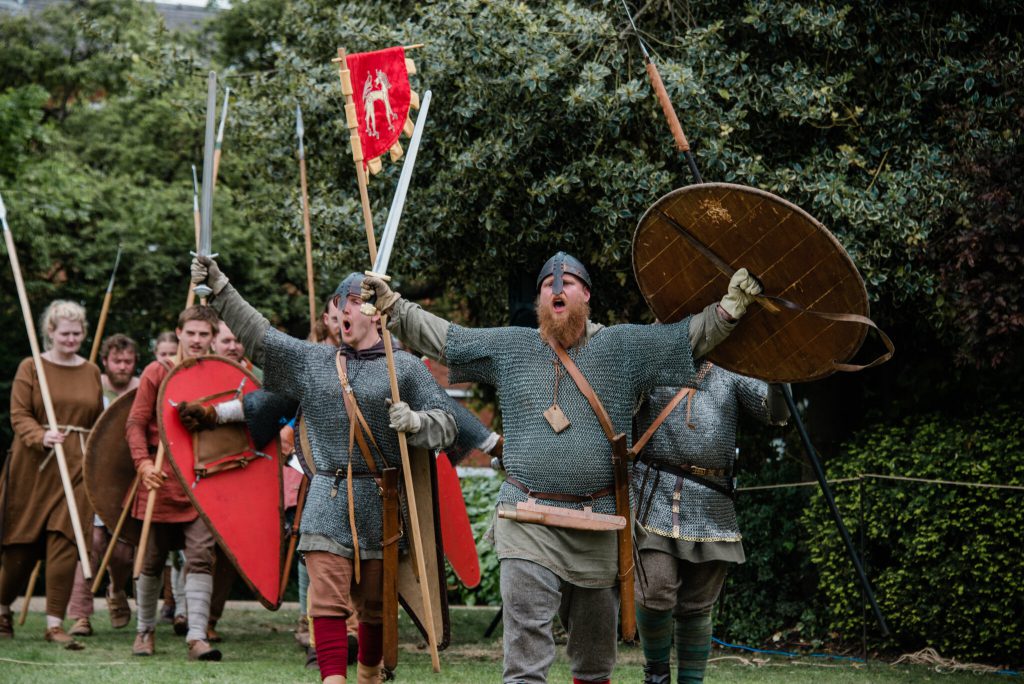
33,578
416,541
44,390
307,230
98,337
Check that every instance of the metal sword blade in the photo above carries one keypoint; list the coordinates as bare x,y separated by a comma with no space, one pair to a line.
387,239
206,213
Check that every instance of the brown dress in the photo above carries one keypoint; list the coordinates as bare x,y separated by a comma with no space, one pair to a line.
36,520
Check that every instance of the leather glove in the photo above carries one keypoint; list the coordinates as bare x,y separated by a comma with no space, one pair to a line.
205,270
150,476
403,418
195,416
743,287
376,287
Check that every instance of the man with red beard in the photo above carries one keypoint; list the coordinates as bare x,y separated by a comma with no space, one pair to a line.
556,452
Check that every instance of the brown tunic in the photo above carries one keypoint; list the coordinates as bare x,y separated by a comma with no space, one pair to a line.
34,501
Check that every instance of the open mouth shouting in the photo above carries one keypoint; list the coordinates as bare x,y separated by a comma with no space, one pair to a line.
346,325
558,304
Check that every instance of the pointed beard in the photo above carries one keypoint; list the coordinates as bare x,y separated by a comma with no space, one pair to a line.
567,328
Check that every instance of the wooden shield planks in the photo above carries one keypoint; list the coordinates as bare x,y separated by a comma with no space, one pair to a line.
243,507
424,475
794,257
108,468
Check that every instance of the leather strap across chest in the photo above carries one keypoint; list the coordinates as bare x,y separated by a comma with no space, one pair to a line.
683,393
585,389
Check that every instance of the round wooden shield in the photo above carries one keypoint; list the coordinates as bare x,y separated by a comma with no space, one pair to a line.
681,237
108,468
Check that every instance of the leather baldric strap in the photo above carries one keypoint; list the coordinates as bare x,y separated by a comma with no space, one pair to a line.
588,392
683,393
695,474
356,427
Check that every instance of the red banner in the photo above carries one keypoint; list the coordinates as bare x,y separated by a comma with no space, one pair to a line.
381,92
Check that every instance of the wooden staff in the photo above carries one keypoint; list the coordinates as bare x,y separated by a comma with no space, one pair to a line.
28,593
415,541
300,504
300,131
684,146
104,310
115,534
44,390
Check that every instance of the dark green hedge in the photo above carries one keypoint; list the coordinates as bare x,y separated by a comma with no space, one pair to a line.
946,560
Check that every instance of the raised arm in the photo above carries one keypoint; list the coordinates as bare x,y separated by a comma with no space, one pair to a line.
248,324
419,329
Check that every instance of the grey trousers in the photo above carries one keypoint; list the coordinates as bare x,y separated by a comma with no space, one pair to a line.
664,582
531,595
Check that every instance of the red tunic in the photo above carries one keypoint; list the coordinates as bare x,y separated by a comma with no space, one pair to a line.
172,503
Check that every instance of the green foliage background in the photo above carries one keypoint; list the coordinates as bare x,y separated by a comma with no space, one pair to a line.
898,125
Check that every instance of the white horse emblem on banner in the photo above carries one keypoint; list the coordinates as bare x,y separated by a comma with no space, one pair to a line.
376,90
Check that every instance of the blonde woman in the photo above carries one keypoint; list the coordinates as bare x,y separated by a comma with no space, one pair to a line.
36,519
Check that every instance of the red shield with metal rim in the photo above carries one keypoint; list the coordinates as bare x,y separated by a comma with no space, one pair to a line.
236,488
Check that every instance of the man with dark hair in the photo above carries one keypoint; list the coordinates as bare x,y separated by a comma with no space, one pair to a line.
119,355
176,523
556,450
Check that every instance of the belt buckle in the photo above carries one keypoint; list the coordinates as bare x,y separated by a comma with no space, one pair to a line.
697,470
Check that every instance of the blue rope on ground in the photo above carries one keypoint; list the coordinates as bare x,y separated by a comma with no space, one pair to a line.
786,653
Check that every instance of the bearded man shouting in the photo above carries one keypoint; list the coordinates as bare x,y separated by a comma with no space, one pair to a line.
556,452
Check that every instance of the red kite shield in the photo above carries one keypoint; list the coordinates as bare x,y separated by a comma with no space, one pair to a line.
236,489
380,83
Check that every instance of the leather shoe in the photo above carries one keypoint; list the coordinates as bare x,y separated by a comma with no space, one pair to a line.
120,612
180,625
211,633
6,626
57,635
82,627
144,645
201,650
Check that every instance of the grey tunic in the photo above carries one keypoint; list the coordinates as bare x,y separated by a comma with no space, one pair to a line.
305,372
685,518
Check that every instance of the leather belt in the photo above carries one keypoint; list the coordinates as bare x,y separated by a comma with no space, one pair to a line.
557,496
695,474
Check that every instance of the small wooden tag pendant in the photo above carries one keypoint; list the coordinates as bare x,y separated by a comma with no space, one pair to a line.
556,418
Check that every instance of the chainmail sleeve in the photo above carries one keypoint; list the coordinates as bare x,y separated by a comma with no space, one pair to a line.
756,399
419,389
248,324
287,362
655,354
472,433
471,353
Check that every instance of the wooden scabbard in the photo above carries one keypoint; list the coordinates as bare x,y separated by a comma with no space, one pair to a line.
552,516
620,464
390,535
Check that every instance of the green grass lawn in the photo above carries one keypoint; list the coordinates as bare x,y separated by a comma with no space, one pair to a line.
259,647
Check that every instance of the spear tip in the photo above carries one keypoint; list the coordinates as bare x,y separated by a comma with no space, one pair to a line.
3,209
299,128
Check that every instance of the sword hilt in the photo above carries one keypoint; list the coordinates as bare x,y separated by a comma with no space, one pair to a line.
368,308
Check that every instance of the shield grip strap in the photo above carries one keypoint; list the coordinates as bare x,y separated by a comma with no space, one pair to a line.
728,271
